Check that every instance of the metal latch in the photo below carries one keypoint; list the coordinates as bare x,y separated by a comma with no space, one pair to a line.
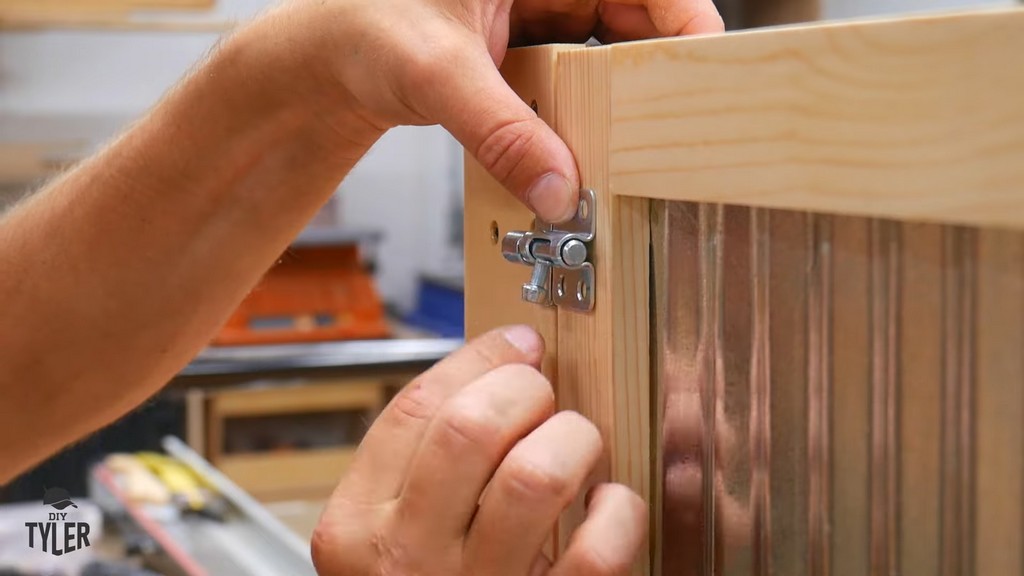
562,276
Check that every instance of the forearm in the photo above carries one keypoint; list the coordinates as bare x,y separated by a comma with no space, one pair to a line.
113,277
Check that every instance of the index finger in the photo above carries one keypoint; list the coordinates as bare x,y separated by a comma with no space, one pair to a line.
379,469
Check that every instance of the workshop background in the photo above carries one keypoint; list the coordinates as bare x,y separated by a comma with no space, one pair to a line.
260,426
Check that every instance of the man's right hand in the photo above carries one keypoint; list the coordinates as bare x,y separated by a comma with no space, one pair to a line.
466,472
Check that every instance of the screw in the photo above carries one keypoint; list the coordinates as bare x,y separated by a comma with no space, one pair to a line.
574,253
536,290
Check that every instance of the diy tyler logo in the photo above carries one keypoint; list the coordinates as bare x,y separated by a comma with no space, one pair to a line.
58,535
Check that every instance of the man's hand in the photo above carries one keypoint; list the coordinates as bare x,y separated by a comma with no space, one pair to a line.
435,61
466,472
539,21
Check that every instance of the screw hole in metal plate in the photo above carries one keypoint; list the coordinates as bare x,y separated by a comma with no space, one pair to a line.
584,210
561,286
582,290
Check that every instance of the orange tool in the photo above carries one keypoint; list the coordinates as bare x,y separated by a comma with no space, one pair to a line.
315,292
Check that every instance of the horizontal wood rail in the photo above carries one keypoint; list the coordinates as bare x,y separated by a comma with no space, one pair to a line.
916,118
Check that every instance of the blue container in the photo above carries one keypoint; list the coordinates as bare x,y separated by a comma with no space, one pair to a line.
440,307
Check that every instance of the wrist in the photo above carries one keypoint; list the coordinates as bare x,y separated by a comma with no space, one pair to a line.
281,61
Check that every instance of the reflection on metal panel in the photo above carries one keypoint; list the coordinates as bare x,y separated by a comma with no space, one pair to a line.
839,396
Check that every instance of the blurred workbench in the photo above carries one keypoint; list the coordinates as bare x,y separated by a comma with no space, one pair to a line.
401,356
283,421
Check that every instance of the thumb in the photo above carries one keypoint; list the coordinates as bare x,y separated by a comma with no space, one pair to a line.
501,131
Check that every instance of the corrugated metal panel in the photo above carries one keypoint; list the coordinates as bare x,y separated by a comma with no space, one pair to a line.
855,385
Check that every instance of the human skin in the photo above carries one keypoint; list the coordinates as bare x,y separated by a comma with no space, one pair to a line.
120,271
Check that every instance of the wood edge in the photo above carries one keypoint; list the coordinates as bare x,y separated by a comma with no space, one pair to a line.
604,355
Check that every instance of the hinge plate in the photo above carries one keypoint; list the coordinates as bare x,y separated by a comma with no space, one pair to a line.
562,275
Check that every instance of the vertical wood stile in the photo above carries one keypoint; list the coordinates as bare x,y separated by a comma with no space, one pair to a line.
604,356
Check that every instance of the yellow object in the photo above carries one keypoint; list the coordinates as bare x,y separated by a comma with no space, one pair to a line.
137,481
178,478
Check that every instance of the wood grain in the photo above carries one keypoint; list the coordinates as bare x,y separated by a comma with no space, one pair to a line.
912,118
604,357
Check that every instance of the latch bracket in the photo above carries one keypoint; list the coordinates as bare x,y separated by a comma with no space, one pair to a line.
563,275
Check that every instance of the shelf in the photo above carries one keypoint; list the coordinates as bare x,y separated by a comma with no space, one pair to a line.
321,358
306,474
330,236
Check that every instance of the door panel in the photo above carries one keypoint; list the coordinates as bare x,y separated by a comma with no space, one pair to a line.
837,395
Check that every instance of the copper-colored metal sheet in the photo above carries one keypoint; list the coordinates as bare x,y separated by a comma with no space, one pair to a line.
838,396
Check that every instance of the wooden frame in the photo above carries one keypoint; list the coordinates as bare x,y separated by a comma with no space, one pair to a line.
916,119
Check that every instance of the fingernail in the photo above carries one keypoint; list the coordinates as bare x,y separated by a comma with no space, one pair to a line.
524,338
551,198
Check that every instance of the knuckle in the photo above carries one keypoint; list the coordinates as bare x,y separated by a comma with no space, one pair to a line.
506,147
416,402
324,544
472,424
392,553
528,479
319,544
361,547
